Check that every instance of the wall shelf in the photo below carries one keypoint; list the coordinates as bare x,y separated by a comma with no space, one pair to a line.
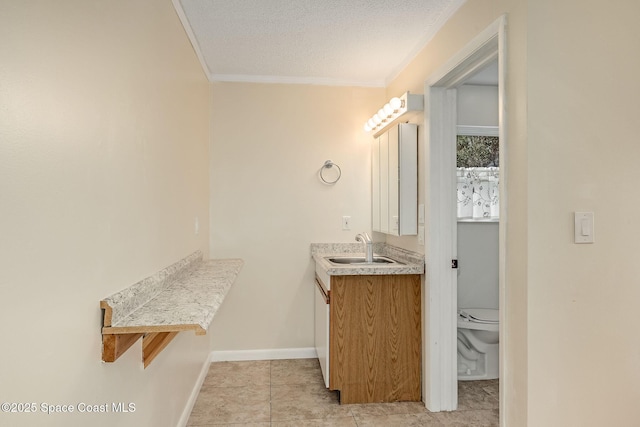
183,297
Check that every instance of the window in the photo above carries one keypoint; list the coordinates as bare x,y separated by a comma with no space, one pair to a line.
478,173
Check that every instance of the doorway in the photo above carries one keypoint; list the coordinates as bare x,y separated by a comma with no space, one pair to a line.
440,367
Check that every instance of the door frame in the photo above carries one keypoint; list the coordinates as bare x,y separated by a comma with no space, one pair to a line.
440,374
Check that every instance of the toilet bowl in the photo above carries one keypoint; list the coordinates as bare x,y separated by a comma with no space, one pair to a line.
478,341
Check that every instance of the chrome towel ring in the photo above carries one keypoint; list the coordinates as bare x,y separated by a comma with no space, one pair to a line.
328,165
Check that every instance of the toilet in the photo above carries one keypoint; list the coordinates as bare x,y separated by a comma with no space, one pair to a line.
478,338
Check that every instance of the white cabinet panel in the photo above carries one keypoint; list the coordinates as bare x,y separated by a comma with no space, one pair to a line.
375,185
395,181
384,182
322,332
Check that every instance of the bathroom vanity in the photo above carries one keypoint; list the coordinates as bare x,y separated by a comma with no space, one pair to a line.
368,324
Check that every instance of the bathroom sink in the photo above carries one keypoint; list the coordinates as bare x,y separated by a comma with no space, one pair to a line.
361,260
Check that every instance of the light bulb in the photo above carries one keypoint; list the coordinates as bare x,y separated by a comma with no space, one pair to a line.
371,123
382,114
377,119
367,128
395,103
388,111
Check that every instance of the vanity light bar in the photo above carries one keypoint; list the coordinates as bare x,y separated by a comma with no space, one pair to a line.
392,110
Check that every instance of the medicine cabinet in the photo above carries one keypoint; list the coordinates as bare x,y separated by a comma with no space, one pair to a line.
395,181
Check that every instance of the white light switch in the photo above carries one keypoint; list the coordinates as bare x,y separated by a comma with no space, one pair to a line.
583,227
421,213
346,222
421,235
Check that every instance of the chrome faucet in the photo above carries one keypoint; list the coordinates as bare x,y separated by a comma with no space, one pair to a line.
364,238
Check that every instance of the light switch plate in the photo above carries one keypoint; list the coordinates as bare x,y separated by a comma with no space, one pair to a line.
421,213
421,235
583,227
346,222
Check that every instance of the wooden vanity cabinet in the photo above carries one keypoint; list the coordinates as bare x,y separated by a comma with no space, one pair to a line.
375,338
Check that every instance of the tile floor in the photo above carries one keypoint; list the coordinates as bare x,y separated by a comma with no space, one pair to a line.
291,393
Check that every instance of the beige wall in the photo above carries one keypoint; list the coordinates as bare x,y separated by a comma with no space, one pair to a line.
268,204
103,168
583,152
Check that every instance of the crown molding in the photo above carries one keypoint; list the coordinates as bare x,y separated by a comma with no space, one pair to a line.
177,5
245,78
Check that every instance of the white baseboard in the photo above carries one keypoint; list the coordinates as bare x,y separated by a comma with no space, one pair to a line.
194,393
271,354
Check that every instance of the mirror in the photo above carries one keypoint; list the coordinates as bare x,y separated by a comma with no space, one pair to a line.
395,181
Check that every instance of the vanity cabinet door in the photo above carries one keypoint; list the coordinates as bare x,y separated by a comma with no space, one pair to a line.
376,338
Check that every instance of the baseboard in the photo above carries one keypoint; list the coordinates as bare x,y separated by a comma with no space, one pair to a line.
184,419
270,354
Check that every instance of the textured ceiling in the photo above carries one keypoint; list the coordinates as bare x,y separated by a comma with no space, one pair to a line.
352,42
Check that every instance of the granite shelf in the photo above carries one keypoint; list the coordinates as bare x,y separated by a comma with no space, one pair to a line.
183,297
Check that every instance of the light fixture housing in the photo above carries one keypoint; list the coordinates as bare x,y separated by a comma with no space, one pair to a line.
392,111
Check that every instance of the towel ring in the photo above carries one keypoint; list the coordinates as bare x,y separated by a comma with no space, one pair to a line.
328,165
